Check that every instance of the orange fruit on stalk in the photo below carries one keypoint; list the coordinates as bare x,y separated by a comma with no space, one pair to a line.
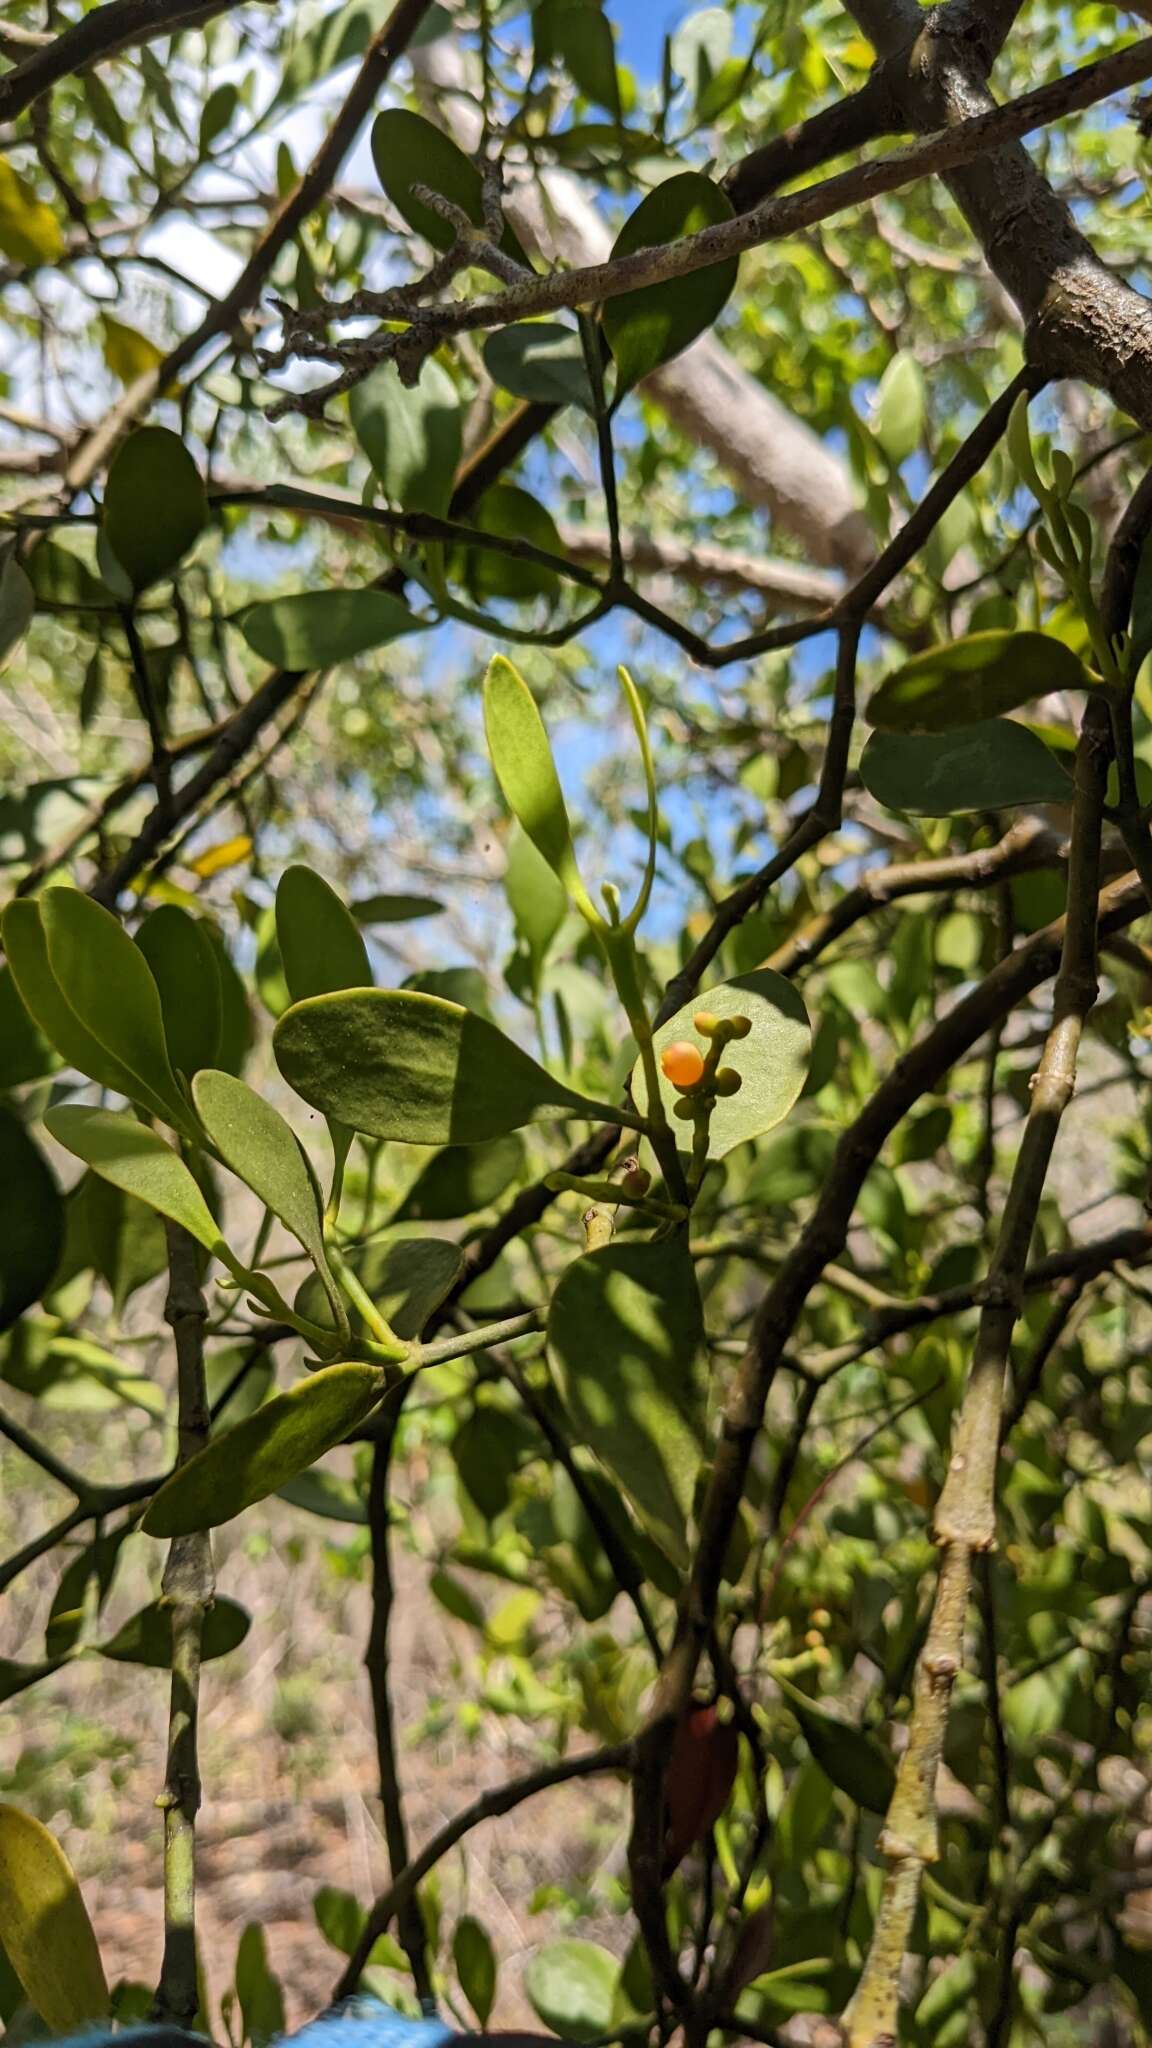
682,1063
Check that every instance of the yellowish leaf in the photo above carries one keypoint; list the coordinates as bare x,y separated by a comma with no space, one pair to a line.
29,230
127,353
48,1936
228,854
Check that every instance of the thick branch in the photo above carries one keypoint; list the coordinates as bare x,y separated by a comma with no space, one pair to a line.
188,1592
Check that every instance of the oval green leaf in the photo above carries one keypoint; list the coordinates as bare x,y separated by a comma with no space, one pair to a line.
772,1061
625,1331
571,1986
853,1759
462,1179
541,361
396,1064
184,964
965,681
320,944
317,628
522,758
985,767
45,1002
106,980
266,1450
475,1961
154,504
646,328
412,435
31,1221
394,909
263,1151
407,150
901,408
147,1637
137,1159
48,1936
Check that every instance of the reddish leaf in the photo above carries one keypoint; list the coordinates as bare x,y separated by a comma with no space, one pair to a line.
701,1773
753,1953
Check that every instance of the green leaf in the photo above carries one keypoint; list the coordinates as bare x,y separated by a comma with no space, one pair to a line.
96,1563
541,361
31,1221
258,1990
17,606
647,327
462,1179
106,981
133,1157
625,1330
412,435
901,408
25,1054
320,944
513,514
522,758
29,231
406,1278
699,48
407,150
43,999
318,628
386,909
265,1451
580,35
154,504
965,681
852,1758
321,1493
48,1936
185,967
147,1637
985,767
395,1064
537,899
475,1961
772,1061
263,1151
571,1986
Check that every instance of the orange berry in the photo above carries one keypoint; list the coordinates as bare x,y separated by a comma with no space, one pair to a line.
682,1063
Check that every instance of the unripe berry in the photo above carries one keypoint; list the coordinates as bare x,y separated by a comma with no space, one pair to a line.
684,1109
705,1022
682,1063
727,1081
637,1180
739,1027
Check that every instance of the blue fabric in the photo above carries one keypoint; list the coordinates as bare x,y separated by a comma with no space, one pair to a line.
358,2023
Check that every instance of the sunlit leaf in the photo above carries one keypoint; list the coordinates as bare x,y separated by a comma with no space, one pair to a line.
265,1451
412,435
320,944
571,1986
317,628
407,150
772,1061
48,1936
901,408
963,682
138,1160
395,1064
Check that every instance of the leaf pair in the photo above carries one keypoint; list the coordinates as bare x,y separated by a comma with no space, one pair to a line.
93,993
